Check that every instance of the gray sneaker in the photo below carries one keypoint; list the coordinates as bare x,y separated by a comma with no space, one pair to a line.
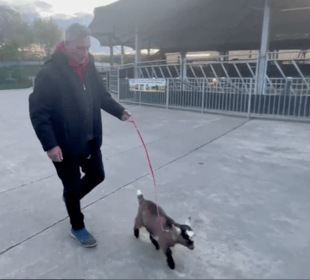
84,238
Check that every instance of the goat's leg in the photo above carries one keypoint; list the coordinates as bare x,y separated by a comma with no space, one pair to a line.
137,226
170,260
154,242
167,251
136,232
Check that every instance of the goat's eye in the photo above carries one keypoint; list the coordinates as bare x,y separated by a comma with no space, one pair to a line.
185,236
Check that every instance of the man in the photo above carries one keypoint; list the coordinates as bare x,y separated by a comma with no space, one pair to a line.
65,113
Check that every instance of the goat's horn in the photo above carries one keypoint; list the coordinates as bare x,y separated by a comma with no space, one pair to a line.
188,221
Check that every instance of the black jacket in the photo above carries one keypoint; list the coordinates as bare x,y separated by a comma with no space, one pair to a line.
58,106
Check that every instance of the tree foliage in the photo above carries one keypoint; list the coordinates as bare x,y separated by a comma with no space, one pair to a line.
16,34
46,33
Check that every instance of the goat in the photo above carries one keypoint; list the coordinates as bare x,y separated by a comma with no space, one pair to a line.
173,234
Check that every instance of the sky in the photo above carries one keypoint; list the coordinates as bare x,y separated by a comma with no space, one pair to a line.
47,8
63,10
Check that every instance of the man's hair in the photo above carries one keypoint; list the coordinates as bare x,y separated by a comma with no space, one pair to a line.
75,31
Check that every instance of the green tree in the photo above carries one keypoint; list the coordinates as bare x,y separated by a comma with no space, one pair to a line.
46,33
15,33
9,51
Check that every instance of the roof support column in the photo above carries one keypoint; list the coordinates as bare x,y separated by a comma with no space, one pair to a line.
122,54
138,52
224,55
149,50
111,51
261,70
148,54
183,70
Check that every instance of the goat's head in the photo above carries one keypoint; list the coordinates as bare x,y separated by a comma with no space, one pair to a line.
185,234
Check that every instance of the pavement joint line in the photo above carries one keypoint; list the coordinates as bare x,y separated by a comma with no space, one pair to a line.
26,184
32,236
160,167
61,220
135,147
107,158
194,150
86,206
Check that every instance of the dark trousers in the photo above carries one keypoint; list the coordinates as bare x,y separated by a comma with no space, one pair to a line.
75,187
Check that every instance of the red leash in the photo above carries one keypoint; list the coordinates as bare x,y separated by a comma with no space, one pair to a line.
150,166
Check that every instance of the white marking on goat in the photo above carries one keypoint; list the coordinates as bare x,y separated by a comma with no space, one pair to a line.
190,234
139,192
178,230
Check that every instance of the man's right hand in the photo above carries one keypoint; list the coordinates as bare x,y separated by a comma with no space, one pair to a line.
55,154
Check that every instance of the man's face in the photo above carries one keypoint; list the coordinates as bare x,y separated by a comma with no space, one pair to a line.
78,49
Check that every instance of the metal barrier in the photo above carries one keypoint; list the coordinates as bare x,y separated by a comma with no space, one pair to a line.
159,69
225,86
285,98
114,80
20,63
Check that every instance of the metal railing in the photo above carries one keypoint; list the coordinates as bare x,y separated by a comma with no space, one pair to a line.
114,80
287,99
21,63
226,86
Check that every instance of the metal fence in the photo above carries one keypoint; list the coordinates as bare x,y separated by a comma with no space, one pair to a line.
283,98
159,69
114,80
226,86
20,63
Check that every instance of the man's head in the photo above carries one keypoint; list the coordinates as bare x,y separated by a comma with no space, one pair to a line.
77,41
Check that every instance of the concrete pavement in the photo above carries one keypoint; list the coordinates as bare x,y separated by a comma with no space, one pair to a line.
245,185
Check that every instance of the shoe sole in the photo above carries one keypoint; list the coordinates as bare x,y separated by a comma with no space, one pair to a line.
86,246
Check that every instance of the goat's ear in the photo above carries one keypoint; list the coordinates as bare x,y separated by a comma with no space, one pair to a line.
188,221
177,229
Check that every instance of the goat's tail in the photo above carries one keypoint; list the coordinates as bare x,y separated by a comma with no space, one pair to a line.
140,197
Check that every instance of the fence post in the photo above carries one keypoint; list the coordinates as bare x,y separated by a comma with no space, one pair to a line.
167,93
288,85
250,99
139,97
118,84
203,96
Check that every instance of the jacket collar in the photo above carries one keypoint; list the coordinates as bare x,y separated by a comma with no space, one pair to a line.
60,57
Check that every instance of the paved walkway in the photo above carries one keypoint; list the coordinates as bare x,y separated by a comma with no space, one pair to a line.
245,185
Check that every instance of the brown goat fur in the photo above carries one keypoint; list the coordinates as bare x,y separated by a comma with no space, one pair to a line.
172,234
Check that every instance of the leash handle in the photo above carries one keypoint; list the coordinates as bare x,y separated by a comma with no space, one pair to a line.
151,169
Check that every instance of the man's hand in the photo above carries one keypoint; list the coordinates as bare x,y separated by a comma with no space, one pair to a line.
55,154
126,115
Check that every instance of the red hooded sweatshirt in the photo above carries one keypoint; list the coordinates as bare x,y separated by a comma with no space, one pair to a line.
78,68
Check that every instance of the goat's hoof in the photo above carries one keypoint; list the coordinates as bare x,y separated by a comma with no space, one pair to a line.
157,248
171,264
136,232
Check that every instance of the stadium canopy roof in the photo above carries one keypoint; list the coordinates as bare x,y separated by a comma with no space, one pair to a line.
202,25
